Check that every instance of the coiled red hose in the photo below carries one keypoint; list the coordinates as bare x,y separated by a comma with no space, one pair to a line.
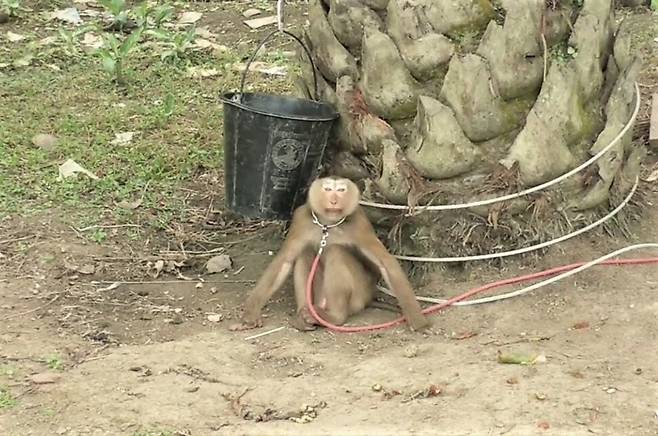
437,307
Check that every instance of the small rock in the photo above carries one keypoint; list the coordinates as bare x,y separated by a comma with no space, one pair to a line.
218,264
377,387
44,378
611,390
44,141
411,351
540,396
192,389
214,318
638,371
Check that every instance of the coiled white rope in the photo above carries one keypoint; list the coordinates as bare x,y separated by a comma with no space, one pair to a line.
587,228
418,209
536,285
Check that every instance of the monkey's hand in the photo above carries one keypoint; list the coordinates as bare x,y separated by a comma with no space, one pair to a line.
419,322
246,323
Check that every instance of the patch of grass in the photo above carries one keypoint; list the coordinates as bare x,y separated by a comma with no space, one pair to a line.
177,122
7,400
55,362
8,371
153,433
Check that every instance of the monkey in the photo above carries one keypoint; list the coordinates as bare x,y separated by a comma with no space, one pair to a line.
351,263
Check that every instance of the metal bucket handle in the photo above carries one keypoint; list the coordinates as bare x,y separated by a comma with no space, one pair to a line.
253,56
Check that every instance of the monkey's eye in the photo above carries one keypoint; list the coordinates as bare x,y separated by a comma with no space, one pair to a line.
327,189
341,189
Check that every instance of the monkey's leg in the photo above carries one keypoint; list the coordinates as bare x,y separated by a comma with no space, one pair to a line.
303,320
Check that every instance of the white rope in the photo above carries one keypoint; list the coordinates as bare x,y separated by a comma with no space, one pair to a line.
279,14
532,247
418,209
537,285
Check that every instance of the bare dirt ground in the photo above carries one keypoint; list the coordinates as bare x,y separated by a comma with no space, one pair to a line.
81,357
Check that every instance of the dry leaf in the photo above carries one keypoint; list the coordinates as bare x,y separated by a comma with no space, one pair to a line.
190,17
262,67
44,378
14,37
44,141
653,176
197,72
71,168
203,32
251,12
48,40
125,204
123,138
92,40
581,325
257,23
68,15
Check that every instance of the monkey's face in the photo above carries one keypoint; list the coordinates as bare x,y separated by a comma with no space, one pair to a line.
333,198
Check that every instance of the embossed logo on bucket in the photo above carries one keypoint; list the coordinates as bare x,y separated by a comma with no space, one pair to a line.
287,154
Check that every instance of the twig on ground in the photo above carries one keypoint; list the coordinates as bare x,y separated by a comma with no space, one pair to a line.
265,333
17,315
10,241
111,226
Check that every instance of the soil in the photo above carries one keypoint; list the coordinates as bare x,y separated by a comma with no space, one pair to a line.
82,356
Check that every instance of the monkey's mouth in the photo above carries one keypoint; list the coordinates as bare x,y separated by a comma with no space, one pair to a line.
333,209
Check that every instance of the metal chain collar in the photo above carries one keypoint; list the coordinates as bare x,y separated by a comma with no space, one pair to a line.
325,230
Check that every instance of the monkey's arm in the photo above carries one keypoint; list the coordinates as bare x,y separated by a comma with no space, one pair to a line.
394,276
275,274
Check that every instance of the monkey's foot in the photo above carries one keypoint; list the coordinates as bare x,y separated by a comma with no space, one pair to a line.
304,321
419,323
246,325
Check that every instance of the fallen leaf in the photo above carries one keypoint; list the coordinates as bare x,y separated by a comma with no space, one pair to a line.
156,269
92,40
198,72
262,67
125,204
653,176
257,23
581,325
71,168
214,318
48,40
123,138
25,61
190,17
252,12
205,33
465,335
44,378
111,287
44,141
218,264
68,15
520,359
14,37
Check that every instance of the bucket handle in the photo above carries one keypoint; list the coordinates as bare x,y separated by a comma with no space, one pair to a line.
262,43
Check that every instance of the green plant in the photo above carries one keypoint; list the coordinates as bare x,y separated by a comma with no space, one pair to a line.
7,400
114,53
158,14
177,44
54,362
70,38
98,236
10,7
119,11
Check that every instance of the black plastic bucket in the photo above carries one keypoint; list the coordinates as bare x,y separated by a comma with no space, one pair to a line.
273,147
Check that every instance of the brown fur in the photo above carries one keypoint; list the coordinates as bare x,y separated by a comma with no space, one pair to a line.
350,264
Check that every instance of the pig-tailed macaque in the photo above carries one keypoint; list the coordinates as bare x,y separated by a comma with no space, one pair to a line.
350,265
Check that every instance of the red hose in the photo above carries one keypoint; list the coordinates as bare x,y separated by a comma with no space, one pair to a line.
437,307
